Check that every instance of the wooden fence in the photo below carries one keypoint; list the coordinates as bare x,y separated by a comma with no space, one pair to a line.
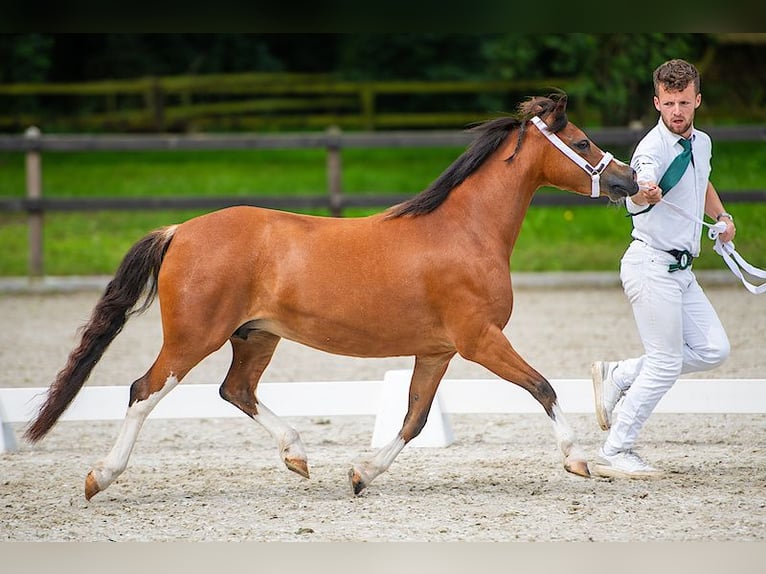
34,144
257,102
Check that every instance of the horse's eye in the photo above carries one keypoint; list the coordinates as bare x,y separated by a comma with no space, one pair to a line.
582,145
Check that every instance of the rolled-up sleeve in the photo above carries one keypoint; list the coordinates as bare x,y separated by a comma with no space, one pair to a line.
646,165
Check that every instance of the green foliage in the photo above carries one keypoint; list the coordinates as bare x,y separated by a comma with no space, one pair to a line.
25,57
430,56
613,69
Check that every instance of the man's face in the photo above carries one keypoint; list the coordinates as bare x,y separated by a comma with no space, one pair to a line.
677,108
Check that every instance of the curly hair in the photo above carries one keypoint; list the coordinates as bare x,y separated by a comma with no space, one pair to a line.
675,75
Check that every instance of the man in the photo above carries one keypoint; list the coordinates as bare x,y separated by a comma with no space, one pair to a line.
678,326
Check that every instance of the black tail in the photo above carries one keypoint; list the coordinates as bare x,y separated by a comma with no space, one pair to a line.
136,275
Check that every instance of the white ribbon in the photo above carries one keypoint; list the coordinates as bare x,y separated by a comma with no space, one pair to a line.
593,172
734,260
726,250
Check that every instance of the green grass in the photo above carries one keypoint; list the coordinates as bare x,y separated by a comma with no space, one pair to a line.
587,237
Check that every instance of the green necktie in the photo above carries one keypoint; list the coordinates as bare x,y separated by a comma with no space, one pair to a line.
675,171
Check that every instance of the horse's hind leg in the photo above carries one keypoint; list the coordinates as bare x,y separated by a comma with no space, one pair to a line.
426,376
495,352
252,352
145,393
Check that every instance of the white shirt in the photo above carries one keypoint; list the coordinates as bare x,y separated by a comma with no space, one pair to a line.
662,227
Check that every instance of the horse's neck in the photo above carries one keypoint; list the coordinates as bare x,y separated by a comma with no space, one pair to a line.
494,201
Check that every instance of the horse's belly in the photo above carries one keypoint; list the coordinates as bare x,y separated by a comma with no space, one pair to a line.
379,339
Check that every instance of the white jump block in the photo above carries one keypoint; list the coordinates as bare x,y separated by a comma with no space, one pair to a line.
7,436
392,407
386,400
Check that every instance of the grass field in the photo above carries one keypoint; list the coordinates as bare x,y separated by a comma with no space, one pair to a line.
587,237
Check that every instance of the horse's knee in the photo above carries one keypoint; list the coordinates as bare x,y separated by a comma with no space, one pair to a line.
413,425
542,391
417,413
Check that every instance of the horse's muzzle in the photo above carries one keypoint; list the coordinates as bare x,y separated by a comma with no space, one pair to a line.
634,187
620,185
630,190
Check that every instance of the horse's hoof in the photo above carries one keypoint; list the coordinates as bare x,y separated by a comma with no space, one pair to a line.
298,465
91,486
578,467
358,484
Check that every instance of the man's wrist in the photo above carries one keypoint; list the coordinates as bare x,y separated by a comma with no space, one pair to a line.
724,214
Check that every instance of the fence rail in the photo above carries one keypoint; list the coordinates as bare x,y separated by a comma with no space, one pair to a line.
255,101
327,139
33,144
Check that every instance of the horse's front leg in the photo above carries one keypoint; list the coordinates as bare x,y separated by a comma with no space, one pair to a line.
426,376
493,350
291,449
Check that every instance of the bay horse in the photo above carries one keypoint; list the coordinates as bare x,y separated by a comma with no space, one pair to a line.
427,278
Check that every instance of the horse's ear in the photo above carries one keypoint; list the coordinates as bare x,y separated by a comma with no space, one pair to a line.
553,110
561,105
558,115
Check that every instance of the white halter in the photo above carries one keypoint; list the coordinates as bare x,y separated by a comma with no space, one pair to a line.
594,172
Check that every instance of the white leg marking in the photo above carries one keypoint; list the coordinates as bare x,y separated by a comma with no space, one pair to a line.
106,471
288,439
565,435
380,461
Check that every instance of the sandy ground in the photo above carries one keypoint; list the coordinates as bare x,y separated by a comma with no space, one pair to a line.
502,480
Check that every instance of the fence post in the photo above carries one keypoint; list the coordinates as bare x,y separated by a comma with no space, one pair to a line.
334,171
34,178
368,106
155,102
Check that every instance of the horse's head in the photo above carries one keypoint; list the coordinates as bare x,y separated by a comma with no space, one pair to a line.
578,164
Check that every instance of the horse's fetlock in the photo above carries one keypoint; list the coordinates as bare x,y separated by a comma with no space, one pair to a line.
290,444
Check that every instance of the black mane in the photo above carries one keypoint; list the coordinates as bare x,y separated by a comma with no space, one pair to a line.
490,135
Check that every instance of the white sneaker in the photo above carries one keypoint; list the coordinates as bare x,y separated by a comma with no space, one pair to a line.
624,464
605,391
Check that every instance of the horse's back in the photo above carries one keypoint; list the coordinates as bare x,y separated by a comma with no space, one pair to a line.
239,245
246,231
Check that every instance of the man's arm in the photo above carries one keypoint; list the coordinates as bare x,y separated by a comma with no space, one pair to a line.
715,210
645,161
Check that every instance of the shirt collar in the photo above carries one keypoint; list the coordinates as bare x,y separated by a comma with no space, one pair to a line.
672,138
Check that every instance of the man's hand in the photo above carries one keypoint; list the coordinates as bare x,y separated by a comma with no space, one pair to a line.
727,235
648,193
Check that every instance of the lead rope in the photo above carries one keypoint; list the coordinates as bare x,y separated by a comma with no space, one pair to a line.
726,250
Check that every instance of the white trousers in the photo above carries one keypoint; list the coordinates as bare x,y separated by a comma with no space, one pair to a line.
680,331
